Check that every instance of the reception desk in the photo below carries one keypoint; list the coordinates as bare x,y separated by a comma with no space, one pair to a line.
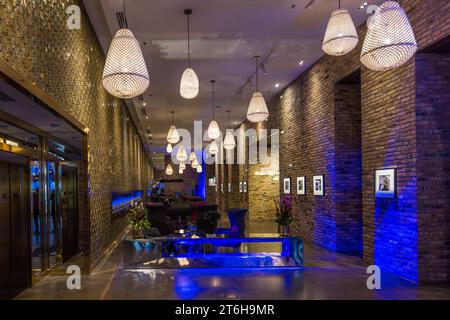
250,251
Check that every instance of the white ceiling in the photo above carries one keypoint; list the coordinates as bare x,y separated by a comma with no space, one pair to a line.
225,35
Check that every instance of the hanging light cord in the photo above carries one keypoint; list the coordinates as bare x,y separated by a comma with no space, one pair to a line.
339,1
172,112
213,102
257,80
189,41
228,111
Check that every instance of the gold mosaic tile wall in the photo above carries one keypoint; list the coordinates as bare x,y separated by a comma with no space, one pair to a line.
67,65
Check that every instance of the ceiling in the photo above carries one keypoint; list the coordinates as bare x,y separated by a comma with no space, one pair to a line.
225,35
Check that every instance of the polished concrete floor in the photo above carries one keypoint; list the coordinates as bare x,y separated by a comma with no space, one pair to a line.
326,275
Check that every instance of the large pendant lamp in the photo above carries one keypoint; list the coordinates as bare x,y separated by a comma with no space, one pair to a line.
390,40
341,36
173,136
213,128
257,109
169,170
189,85
125,74
228,142
181,154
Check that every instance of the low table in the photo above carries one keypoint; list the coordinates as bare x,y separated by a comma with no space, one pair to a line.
250,251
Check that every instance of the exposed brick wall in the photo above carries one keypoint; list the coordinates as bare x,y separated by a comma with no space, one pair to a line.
67,65
348,197
433,165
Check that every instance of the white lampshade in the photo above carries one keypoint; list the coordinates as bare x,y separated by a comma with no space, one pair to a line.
173,136
341,36
390,40
213,130
169,148
189,85
194,163
213,148
125,74
181,154
182,165
169,170
199,169
257,109
192,156
180,170
229,142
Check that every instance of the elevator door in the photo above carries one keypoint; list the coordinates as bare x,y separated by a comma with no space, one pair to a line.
14,227
69,212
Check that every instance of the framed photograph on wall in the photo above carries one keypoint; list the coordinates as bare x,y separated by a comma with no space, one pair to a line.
287,185
301,187
318,185
385,183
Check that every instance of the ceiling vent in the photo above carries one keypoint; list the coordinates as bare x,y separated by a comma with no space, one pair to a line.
5,98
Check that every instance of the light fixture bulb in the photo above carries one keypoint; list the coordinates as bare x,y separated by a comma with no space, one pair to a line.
213,130
173,136
169,170
181,154
341,36
169,148
229,143
257,109
125,74
189,84
390,40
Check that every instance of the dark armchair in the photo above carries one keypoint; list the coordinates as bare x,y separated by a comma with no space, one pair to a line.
205,217
157,215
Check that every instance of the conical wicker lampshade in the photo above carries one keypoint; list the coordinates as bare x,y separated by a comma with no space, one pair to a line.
229,143
189,85
192,156
182,165
169,148
194,163
341,36
181,154
390,40
169,170
125,74
173,136
257,109
180,170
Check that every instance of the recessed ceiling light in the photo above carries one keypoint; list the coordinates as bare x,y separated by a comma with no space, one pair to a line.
277,85
301,63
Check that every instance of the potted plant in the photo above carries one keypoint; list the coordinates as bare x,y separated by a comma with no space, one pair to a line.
284,216
138,219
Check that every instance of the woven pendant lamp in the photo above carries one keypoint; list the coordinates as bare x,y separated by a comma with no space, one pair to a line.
390,40
341,36
169,170
199,169
189,84
257,109
173,136
213,128
169,148
181,154
213,148
229,143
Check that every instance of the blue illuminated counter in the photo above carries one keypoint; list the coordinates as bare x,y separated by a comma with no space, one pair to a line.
252,251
